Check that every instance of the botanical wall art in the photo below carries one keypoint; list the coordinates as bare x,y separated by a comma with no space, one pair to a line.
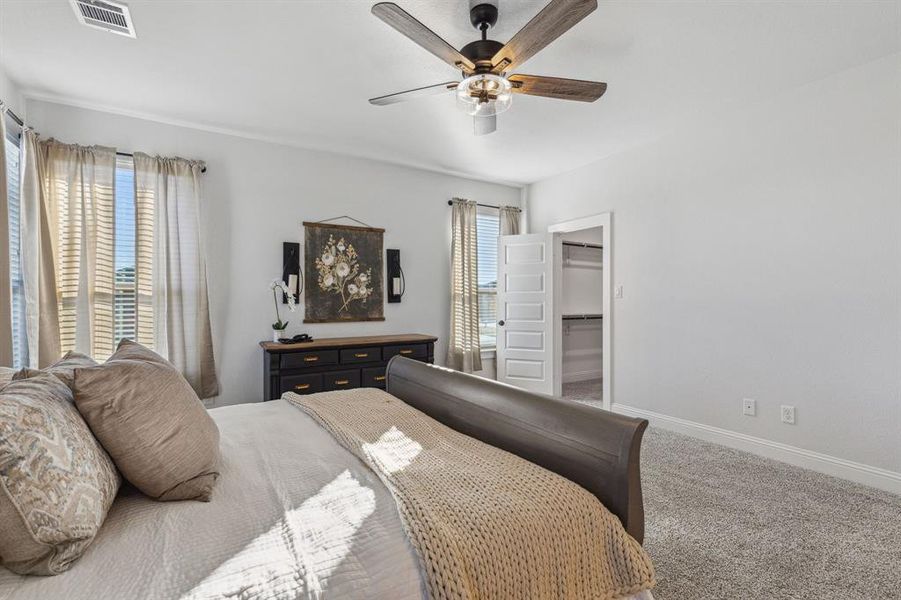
344,273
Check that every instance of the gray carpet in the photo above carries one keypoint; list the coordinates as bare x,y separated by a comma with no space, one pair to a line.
587,392
725,524
722,524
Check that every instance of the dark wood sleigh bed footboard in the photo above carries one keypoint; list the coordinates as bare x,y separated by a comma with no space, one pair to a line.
597,449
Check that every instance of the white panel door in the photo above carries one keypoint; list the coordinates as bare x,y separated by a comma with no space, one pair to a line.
528,332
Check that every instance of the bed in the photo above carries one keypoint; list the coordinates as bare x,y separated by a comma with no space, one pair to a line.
295,515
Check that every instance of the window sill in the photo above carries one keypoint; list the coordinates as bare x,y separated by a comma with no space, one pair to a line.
490,353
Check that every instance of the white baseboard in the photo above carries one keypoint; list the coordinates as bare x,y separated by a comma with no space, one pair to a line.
876,477
582,376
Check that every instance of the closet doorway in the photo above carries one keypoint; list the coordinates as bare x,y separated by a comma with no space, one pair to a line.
585,311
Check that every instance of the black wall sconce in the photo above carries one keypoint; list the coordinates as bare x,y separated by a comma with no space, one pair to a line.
291,273
397,285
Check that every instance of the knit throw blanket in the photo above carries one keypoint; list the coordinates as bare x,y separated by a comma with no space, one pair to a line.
485,523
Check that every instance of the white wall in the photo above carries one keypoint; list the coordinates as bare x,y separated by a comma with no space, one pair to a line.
760,257
10,94
257,194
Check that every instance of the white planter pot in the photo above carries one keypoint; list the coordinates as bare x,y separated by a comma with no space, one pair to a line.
277,333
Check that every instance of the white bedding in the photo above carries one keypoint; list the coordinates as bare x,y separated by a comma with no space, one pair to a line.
294,515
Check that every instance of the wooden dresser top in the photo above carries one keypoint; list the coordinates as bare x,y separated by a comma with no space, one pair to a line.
346,342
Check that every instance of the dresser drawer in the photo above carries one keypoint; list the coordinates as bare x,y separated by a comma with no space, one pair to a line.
361,355
302,384
410,351
373,377
295,360
341,380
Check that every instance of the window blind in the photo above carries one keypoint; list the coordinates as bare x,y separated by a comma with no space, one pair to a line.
124,251
487,232
20,343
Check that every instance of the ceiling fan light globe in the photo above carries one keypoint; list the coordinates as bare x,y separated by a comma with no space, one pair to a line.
484,95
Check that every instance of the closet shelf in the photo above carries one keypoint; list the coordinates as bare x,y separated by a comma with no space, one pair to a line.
585,317
584,264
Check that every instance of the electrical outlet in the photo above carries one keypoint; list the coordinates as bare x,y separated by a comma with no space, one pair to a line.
618,291
788,414
749,407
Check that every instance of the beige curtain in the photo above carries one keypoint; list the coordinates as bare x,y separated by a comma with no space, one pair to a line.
173,305
80,194
509,220
463,351
6,315
38,239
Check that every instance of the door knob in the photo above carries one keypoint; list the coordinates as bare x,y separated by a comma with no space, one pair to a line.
501,323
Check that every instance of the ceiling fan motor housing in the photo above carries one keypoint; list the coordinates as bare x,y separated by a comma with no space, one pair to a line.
481,52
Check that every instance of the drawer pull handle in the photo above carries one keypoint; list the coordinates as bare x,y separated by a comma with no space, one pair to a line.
406,352
302,386
379,378
310,358
361,354
342,381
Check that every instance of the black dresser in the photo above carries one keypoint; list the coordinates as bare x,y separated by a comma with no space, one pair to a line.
337,363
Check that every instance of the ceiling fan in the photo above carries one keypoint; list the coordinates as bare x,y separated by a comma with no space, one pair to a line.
486,89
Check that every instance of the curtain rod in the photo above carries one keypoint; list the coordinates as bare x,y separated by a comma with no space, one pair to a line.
15,117
21,123
129,155
451,203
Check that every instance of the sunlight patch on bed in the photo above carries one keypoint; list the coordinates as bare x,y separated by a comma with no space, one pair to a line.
295,557
393,451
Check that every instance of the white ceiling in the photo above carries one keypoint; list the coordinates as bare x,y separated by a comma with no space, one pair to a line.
301,72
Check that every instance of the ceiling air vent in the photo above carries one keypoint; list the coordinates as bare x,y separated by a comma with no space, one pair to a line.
108,16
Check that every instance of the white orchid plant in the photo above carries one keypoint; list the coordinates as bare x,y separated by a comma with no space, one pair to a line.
280,287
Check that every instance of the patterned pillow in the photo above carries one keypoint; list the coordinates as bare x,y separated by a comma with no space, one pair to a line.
65,367
58,482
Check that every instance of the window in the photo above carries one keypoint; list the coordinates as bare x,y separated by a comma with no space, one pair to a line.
20,342
124,248
487,231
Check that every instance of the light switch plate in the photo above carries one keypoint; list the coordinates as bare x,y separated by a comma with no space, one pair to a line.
749,407
618,291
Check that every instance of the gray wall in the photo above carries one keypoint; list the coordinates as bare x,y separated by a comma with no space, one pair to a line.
256,196
760,257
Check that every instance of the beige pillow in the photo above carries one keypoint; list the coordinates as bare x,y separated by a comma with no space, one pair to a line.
57,482
151,422
65,367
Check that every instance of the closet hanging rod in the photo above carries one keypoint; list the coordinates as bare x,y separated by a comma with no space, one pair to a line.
584,245
582,317
21,123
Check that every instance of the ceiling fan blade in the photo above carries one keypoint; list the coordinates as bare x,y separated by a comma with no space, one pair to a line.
484,125
404,22
557,87
429,90
554,20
